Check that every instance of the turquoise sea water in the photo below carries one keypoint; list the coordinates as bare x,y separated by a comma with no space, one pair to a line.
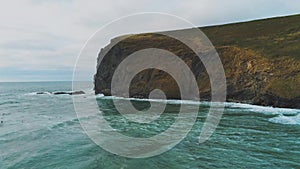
42,131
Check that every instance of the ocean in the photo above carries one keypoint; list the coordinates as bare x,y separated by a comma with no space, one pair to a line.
43,131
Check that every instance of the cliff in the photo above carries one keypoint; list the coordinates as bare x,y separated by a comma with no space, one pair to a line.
261,60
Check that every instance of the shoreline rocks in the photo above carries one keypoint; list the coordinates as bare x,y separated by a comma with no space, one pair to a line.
62,93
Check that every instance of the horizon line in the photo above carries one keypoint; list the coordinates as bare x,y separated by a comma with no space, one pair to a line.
44,81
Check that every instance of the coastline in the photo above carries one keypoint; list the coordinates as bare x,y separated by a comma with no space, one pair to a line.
258,68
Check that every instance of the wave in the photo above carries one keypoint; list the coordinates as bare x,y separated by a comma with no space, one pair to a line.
14,135
282,115
65,123
9,102
264,109
57,93
188,102
283,119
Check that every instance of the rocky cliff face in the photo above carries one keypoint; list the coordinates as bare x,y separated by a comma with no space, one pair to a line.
261,60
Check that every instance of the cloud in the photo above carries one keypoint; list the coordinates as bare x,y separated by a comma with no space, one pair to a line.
211,12
49,34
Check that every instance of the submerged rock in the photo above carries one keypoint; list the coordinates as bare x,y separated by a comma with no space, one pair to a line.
41,93
69,93
63,93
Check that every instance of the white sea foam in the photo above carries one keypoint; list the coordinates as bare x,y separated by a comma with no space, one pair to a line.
284,115
282,119
100,95
255,108
264,109
191,102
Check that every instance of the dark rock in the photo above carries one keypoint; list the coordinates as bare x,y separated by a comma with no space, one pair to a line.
60,93
77,93
41,93
69,93
63,93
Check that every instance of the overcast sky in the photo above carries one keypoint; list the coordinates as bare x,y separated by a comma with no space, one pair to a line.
40,39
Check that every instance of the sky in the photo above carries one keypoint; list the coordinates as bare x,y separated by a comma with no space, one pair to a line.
41,39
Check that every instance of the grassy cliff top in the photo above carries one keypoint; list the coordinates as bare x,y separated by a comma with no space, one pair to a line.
275,37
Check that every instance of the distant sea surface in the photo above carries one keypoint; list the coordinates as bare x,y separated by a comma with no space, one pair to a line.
42,131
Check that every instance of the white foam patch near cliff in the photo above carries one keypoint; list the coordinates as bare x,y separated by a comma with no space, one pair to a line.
248,107
190,102
264,109
282,119
36,93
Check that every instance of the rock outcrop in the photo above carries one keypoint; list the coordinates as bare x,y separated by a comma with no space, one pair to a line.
261,60
62,93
